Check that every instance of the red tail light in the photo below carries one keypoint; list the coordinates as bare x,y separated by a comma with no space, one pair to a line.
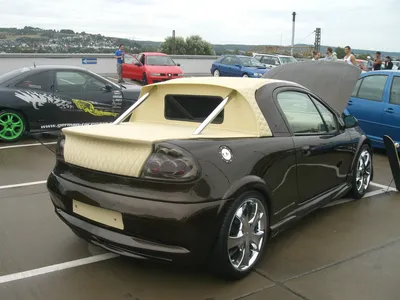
168,163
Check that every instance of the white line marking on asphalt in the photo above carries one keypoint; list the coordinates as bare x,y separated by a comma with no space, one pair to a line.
11,186
57,267
367,195
27,145
383,186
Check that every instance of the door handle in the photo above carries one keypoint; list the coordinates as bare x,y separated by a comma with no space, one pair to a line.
389,110
306,149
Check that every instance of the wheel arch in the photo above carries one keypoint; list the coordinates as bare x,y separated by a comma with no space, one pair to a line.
252,183
364,140
21,112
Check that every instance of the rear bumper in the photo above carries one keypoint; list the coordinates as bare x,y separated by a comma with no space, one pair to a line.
172,232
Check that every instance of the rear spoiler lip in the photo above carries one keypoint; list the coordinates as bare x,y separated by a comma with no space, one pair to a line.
132,140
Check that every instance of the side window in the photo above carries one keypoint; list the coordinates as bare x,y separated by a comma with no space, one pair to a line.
301,113
41,82
226,61
128,59
372,87
395,91
77,82
235,61
275,61
356,88
266,60
258,57
327,115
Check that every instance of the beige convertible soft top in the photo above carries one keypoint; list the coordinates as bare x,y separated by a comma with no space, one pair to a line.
123,149
241,114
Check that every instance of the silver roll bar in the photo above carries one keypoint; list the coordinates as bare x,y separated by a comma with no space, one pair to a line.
213,114
129,111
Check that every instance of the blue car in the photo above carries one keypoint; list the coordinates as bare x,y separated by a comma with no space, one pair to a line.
375,102
238,66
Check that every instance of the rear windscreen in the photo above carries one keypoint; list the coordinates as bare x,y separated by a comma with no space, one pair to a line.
192,108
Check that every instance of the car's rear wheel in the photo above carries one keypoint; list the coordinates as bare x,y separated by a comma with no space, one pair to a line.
12,126
144,79
362,172
216,73
245,75
242,237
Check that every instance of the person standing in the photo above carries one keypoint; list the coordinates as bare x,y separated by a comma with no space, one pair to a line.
119,55
349,57
369,63
377,62
315,55
330,55
388,63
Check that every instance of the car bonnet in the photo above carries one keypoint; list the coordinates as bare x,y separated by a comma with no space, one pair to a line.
333,82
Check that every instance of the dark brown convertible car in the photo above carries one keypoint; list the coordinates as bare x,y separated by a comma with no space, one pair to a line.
208,169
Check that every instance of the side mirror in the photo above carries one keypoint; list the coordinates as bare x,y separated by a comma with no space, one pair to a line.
350,121
178,65
108,88
138,64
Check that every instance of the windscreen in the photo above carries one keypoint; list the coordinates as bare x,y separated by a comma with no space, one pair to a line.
191,108
10,75
158,60
250,62
287,60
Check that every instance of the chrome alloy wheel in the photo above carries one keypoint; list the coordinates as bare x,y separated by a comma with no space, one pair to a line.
364,170
247,234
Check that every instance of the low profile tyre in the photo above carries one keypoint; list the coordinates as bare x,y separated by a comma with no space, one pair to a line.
242,237
216,73
12,126
245,76
362,172
144,79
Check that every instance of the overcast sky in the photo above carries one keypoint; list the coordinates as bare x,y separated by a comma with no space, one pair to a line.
367,24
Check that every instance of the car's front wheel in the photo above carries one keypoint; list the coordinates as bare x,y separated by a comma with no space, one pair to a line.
362,172
12,125
242,237
216,73
245,75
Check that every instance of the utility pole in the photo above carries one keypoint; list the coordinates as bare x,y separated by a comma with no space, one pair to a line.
173,42
317,43
293,28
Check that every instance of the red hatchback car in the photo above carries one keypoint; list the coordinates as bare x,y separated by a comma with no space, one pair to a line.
150,67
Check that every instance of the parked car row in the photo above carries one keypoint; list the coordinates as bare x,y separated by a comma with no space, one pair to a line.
245,66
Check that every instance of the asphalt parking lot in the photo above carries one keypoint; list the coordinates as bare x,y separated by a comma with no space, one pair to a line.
349,250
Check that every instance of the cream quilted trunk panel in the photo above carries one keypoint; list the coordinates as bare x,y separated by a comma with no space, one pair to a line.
116,157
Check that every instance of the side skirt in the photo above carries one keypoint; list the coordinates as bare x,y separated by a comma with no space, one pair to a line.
309,206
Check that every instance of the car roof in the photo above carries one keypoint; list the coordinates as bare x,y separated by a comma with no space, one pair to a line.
278,55
386,72
154,53
55,67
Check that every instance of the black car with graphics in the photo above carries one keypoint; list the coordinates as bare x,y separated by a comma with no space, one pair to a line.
44,98
209,168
